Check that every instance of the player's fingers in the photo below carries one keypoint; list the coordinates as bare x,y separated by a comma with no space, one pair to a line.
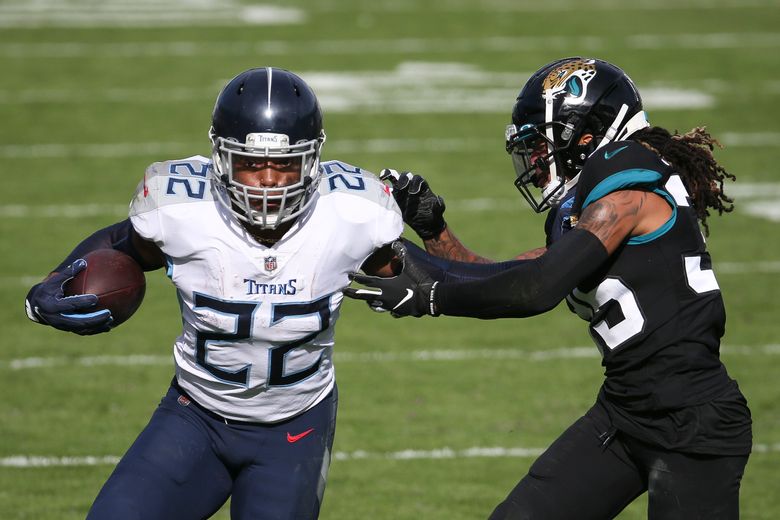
92,332
54,286
376,307
398,248
56,281
368,295
73,269
402,183
76,303
81,323
390,175
364,279
417,184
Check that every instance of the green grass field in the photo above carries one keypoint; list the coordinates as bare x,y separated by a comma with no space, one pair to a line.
438,418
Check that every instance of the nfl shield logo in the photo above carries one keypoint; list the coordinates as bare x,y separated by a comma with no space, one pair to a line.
270,263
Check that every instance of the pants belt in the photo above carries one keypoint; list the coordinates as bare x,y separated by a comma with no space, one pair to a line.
210,413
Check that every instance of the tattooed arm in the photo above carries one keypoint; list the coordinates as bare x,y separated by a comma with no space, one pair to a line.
538,285
447,245
531,287
623,214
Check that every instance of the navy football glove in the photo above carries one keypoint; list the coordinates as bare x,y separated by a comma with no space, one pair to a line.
46,303
420,207
410,293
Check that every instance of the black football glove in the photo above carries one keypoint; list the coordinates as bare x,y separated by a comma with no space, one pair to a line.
420,207
410,293
46,303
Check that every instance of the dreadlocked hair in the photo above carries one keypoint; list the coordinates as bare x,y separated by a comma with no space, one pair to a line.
691,156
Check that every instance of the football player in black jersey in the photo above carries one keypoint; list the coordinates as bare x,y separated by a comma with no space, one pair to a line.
626,251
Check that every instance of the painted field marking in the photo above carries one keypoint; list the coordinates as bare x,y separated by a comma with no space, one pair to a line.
37,461
411,87
113,13
504,6
721,268
373,46
350,146
757,199
433,355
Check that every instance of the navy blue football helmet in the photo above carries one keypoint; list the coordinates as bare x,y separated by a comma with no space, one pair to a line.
562,102
273,115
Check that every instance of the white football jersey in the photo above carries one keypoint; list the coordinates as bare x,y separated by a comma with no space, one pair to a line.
258,322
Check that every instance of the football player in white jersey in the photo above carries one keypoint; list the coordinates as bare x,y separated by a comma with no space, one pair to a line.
259,242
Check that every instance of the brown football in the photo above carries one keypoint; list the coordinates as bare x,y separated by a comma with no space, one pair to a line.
116,279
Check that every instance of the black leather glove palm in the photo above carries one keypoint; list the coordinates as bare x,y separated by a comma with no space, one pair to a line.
421,208
410,293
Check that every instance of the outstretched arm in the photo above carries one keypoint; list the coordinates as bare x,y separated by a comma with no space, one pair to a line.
447,245
531,287
539,285
423,211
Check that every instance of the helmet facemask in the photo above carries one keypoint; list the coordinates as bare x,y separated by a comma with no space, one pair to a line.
267,208
541,164
568,109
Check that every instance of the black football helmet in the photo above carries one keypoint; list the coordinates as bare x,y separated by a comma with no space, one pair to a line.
560,103
269,114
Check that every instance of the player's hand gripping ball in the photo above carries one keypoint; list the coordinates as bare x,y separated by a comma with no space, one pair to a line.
116,279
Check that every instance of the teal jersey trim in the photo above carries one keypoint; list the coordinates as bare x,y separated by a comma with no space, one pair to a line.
621,180
649,237
628,179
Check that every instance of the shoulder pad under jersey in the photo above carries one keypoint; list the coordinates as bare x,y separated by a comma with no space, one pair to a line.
340,177
173,182
617,166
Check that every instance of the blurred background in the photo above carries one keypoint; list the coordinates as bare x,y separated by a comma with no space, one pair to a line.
438,418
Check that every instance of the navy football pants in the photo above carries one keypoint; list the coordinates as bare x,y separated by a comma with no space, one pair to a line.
186,463
581,477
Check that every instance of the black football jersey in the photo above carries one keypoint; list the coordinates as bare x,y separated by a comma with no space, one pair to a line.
559,218
655,308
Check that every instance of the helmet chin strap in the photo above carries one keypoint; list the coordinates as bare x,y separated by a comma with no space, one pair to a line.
553,180
637,122
613,128
616,132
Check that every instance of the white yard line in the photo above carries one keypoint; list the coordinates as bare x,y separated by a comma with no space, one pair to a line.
33,461
186,48
566,6
359,97
58,13
412,87
433,355
721,268
345,146
757,199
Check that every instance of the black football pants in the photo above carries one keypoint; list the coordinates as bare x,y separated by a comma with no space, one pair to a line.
582,477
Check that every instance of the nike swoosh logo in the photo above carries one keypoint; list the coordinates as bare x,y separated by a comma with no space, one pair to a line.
608,155
409,294
296,438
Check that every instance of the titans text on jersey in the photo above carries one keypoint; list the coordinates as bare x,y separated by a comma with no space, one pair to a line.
258,322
